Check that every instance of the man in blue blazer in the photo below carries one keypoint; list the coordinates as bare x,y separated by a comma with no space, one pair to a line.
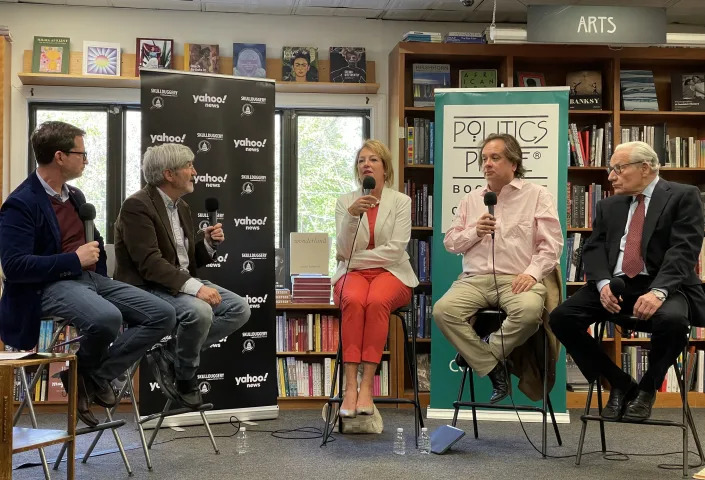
51,270
649,234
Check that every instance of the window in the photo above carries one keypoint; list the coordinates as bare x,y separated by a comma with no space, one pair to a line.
313,162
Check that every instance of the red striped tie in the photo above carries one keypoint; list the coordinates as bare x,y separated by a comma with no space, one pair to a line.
633,263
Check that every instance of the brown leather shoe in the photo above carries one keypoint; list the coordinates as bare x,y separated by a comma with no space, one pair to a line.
84,398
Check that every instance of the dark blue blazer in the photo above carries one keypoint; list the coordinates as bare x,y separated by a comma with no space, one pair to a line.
30,254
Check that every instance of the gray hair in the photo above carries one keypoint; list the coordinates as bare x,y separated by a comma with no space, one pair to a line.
169,156
641,151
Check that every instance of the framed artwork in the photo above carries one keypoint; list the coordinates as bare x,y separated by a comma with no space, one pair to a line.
531,79
154,53
300,64
100,58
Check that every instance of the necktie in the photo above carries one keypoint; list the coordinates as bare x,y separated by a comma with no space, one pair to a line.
633,263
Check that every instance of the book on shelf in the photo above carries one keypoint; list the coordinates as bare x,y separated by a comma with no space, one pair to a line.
654,135
638,90
250,60
464,37
419,141
423,367
200,57
282,296
348,65
300,64
310,288
154,54
585,90
477,78
426,78
416,36
688,92
308,253
51,54
590,145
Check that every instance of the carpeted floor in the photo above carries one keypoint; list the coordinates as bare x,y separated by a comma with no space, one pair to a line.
501,452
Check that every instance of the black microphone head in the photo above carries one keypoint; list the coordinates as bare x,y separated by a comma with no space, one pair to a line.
211,204
368,183
617,286
490,198
86,212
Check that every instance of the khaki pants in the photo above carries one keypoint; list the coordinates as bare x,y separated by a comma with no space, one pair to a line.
466,296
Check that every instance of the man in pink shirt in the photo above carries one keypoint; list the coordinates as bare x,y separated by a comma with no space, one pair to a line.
527,247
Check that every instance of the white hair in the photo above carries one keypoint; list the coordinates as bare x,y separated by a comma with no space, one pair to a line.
169,156
640,152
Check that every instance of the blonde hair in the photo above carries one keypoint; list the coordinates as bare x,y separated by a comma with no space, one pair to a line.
381,150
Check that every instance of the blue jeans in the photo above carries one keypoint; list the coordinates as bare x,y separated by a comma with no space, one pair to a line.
97,306
199,325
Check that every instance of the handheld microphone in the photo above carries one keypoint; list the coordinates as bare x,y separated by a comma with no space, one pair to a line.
212,209
617,286
490,200
368,184
87,214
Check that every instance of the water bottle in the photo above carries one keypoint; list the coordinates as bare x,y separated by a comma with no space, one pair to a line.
399,443
241,443
424,442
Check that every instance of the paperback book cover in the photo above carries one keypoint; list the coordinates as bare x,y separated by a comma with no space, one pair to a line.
100,58
51,55
688,92
477,78
300,64
638,90
200,57
250,60
308,253
426,78
585,90
348,65
154,53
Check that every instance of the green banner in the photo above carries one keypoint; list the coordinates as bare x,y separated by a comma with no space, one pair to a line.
538,118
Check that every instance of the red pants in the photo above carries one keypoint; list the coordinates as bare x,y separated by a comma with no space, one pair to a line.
368,298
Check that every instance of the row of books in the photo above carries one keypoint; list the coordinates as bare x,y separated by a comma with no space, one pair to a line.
438,37
582,202
590,146
313,378
422,304
421,203
420,257
312,332
419,141
574,252
310,288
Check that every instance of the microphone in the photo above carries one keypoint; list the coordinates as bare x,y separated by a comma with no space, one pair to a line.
87,214
368,184
212,209
617,286
490,200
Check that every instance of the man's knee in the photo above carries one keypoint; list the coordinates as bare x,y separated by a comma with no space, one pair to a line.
165,316
239,312
444,310
199,315
106,328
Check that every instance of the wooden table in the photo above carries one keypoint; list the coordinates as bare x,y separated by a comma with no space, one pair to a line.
15,440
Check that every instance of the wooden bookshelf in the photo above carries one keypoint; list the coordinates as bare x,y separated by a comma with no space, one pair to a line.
554,61
128,79
5,88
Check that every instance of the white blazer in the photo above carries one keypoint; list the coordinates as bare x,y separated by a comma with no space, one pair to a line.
392,233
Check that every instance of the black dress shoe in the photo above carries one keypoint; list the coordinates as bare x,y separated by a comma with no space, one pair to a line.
188,393
103,393
639,409
163,371
84,398
500,383
619,398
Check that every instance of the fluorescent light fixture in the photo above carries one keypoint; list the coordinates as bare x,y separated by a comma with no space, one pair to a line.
517,34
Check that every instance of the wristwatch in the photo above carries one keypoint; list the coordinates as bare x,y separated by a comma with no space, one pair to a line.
659,294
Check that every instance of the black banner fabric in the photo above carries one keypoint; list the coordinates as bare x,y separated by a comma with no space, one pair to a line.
229,124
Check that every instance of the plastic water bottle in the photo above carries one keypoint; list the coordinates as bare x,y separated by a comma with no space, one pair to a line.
424,442
241,442
399,443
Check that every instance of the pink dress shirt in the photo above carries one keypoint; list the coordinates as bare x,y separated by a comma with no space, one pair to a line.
528,235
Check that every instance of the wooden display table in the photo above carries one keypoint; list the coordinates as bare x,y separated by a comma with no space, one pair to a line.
15,440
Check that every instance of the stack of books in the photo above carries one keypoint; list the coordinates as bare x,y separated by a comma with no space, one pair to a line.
283,295
465,37
433,37
310,289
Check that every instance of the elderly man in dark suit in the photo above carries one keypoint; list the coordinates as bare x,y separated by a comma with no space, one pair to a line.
51,270
156,248
649,234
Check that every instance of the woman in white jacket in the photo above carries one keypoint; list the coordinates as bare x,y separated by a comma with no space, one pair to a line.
379,276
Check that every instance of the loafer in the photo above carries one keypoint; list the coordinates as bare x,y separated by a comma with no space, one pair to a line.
618,400
365,410
500,383
639,409
188,393
163,371
84,398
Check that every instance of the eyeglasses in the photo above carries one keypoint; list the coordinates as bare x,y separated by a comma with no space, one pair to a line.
619,168
85,154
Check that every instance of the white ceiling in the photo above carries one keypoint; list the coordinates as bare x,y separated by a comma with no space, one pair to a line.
690,12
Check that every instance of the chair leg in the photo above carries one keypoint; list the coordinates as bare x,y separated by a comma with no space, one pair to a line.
555,424
471,386
456,407
545,395
159,424
337,368
583,429
410,353
33,416
140,429
210,433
